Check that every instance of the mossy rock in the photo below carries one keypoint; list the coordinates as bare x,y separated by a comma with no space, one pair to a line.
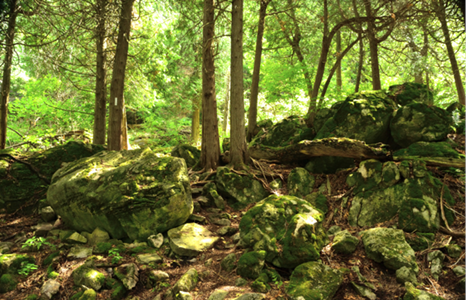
300,182
419,122
319,201
129,194
189,153
314,281
90,277
118,289
89,294
250,264
11,263
410,92
239,190
344,242
426,149
328,164
289,229
420,241
414,294
388,246
21,187
363,116
289,131
324,114
8,283
419,215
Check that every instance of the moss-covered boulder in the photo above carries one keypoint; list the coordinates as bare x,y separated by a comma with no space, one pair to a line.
239,190
289,131
328,164
190,239
21,187
289,229
318,200
363,116
324,114
11,263
8,283
300,183
344,242
426,149
414,294
314,281
128,194
189,153
250,264
420,122
410,92
187,282
88,276
419,215
388,246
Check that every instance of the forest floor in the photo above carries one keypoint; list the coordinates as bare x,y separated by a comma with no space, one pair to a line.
16,227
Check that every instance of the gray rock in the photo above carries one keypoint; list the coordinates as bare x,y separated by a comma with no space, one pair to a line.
333,230
76,238
158,276
436,263
218,295
98,236
300,183
128,275
42,230
187,282
126,193
405,274
47,214
155,241
148,258
414,294
227,231
419,215
5,247
452,249
50,288
390,247
229,262
364,291
240,281
221,222
183,296
88,276
459,271
197,218
344,242
79,252
189,153
251,296
190,239
236,237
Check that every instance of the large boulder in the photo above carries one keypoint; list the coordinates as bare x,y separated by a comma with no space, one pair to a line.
300,183
189,153
388,246
420,122
314,281
410,92
239,190
21,187
131,194
363,116
289,131
289,229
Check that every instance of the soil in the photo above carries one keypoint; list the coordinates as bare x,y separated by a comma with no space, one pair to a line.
17,228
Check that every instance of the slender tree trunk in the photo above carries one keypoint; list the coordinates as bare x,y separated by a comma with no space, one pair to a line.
117,137
252,114
339,79
238,146
7,64
210,149
101,82
195,124
440,12
374,48
226,105
361,61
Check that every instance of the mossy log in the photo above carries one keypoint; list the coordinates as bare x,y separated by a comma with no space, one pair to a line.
342,147
435,161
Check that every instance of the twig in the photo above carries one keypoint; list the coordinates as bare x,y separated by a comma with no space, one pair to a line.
461,257
441,204
30,167
450,232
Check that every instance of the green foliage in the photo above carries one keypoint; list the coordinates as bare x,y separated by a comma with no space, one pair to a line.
115,254
37,242
26,268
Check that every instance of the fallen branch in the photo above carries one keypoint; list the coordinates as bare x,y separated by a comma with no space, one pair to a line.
452,233
30,167
435,161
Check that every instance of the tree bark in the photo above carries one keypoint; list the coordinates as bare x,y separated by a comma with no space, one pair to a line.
374,48
440,12
226,105
101,76
210,149
238,146
252,113
117,137
6,79
339,79
195,124
361,61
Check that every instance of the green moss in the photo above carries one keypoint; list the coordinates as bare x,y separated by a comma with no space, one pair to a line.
77,295
50,258
32,297
102,247
259,286
51,272
410,92
426,149
89,294
288,131
8,283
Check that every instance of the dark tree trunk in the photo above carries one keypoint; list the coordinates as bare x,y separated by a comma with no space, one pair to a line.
226,105
440,12
117,137
101,75
6,79
252,114
238,146
210,149
374,48
360,63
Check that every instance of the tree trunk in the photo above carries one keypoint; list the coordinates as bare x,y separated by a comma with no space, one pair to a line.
252,114
361,61
339,80
210,149
238,146
116,139
195,124
226,105
374,48
6,80
101,82
440,12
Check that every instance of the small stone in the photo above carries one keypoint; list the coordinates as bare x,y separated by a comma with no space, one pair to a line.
252,296
197,218
459,271
183,296
436,259
89,294
5,247
333,230
236,238
47,214
42,230
149,258
240,282
221,222
229,262
128,275
155,241
203,201
250,264
405,274
76,238
79,252
98,236
344,242
196,207
364,291
218,295
208,262
190,239
187,282
454,250
158,276
227,231
90,277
